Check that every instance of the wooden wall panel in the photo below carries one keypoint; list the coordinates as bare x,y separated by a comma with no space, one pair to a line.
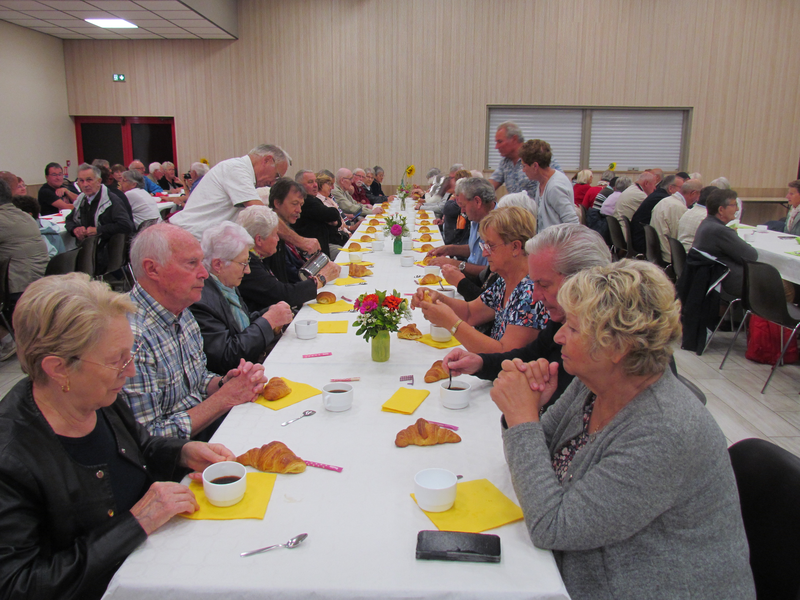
364,82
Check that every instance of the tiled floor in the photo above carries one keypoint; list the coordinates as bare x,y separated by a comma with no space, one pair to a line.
733,393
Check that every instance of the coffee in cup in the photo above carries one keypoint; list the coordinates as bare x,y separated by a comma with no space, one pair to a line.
337,397
224,483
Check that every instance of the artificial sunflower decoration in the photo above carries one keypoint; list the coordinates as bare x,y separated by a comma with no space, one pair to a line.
410,170
204,161
612,166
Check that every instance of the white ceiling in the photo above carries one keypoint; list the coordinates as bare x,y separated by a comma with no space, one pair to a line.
157,19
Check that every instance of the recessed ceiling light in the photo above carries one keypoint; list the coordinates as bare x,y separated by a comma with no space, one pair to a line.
112,23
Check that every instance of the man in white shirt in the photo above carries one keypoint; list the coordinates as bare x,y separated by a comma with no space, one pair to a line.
667,214
632,198
692,218
143,205
554,195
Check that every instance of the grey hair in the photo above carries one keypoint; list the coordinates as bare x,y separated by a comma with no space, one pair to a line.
153,167
378,169
608,175
134,177
666,182
258,220
298,177
696,175
340,173
369,171
5,193
326,172
224,240
476,186
455,168
512,130
693,185
101,162
276,152
92,168
433,173
199,168
721,183
357,169
153,243
167,165
622,184
133,162
575,246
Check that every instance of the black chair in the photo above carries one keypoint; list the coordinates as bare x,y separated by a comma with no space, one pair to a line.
619,246
5,294
652,246
768,478
692,387
678,256
63,263
627,232
763,296
87,256
117,253
732,301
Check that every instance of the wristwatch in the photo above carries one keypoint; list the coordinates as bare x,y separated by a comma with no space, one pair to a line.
454,328
322,279
462,265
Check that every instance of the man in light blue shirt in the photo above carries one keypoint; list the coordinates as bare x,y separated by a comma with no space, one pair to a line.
476,198
150,186
508,142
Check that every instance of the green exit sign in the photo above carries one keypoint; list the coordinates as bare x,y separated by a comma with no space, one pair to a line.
119,77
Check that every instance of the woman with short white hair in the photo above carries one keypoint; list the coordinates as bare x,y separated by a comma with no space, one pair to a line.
143,205
230,331
260,287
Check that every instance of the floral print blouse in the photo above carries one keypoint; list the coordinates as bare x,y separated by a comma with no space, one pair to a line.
562,458
519,310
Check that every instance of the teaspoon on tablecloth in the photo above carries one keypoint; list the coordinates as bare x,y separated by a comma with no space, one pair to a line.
292,543
306,413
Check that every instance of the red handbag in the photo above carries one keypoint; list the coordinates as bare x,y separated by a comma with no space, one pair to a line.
764,342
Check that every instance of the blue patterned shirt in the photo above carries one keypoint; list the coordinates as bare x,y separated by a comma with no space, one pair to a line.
171,374
515,179
519,310
476,256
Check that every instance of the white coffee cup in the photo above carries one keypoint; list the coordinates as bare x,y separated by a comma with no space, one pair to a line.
761,228
454,395
225,494
379,235
337,397
355,257
377,245
407,243
305,330
435,489
440,334
747,236
433,270
406,261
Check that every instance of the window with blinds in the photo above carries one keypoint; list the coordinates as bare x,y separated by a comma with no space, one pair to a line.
583,137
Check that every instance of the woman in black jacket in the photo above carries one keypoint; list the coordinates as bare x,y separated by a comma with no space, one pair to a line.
82,484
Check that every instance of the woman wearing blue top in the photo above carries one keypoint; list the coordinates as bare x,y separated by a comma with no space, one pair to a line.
508,302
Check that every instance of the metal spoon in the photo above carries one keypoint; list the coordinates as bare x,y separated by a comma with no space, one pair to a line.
306,413
292,543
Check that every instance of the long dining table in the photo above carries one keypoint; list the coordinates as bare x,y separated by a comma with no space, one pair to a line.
362,523
781,250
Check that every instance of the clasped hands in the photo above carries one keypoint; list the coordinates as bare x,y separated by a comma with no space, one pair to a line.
81,233
522,389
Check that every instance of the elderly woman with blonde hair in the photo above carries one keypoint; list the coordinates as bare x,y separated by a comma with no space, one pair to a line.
626,477
508,303
230,331
82,484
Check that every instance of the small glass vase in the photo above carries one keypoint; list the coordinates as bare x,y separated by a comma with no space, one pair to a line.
402,203
381,346
398,245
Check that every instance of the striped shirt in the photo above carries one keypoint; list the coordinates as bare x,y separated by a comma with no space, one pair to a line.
171,374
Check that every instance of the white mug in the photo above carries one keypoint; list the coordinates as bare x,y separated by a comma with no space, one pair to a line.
435,489
305,330
449,292
337,397
407,243
432,270
455,395
377,246
440,334
225,494
379,235
761,228
407,261
355,257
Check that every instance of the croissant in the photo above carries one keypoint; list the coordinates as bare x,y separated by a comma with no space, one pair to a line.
425,237
371,230
429,279
409,332
427,260
426,296
423,433
423,214
427,247
356,270
275,389
274,457
374,222
424,229
366,238
354,247
436,373
326,298
424,222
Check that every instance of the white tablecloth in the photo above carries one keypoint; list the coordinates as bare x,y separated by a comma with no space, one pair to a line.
772,249
362,524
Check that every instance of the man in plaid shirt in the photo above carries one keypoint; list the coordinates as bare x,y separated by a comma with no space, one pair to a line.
173,393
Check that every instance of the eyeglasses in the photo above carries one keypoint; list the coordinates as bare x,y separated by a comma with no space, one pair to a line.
121,369
489,248
243,264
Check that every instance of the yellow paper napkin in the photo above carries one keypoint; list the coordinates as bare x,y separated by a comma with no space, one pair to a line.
252,506
339,306
360,239
362,249
427,339
433,284
429,241
421,250
332,327
348,280
405,401
300,391
479,506
363,263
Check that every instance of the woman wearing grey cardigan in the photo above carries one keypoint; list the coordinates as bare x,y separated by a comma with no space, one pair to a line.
626,477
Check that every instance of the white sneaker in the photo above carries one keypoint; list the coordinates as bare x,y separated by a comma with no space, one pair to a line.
7,350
